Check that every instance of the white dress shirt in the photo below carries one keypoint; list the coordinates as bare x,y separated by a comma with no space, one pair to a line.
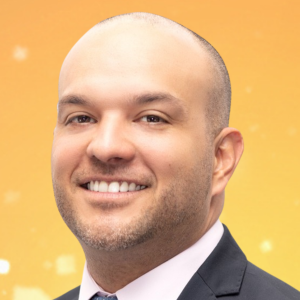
165,281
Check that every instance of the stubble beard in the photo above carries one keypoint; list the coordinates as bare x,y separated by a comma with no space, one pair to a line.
183,201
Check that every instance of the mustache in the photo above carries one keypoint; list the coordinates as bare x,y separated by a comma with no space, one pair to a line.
99,168
105,168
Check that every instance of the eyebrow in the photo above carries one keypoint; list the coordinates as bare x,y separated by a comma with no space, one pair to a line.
72,99
151,97
159,97
139,100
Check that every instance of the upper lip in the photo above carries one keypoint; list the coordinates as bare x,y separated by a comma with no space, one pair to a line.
111,179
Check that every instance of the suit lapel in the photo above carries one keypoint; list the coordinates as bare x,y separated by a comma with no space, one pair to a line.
221,274
71,295
75,298
196,289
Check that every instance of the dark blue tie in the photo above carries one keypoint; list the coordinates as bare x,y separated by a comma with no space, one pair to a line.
96,297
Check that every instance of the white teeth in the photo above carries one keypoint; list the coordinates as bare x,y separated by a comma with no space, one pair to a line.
113,187
96,184
124,187
103,187
131,187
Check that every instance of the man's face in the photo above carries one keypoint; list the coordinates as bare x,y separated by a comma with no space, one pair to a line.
131,126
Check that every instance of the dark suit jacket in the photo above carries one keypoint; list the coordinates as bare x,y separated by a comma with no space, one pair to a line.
226,274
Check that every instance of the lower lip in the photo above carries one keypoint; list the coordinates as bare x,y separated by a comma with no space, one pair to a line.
105,196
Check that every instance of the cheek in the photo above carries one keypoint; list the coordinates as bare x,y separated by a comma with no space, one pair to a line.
169,155
66,154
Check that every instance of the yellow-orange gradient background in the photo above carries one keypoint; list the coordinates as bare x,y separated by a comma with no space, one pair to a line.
259,41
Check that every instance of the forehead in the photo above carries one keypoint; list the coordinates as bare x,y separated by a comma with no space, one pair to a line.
136,57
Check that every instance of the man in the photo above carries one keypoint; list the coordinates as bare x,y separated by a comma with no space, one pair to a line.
141,156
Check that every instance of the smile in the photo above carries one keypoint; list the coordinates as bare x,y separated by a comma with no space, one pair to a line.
113,187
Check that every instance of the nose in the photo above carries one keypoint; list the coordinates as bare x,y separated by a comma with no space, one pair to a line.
111,141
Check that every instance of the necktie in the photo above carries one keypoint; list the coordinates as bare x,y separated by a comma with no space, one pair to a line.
96,297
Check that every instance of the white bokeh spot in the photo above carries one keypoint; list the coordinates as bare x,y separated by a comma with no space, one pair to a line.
292,131
29,293
47,265
11,196
266,246
20,53
253,127
258,35
65,265
4,266
248,89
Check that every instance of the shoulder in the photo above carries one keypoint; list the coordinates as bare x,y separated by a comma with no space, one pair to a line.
227,272
70,295
261,285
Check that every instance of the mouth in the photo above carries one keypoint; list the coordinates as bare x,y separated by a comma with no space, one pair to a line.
113,187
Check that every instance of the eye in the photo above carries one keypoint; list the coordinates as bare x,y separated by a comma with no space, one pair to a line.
152,119
81,119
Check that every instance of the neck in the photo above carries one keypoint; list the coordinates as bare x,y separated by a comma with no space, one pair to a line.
112,270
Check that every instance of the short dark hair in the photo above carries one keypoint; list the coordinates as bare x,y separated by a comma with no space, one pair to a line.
218,106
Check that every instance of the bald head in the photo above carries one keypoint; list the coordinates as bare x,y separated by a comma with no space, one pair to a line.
128,28
218,106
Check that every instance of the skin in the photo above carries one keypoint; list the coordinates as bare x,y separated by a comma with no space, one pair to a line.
117,77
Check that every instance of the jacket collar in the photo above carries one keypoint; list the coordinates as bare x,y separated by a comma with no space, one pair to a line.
221,274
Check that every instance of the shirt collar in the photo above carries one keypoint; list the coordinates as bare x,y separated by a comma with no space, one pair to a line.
168,279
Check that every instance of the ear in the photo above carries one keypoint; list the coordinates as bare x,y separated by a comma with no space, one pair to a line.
229,147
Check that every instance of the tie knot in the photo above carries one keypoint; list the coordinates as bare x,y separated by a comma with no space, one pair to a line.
96,297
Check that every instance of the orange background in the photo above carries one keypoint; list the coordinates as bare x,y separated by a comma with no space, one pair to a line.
259,41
